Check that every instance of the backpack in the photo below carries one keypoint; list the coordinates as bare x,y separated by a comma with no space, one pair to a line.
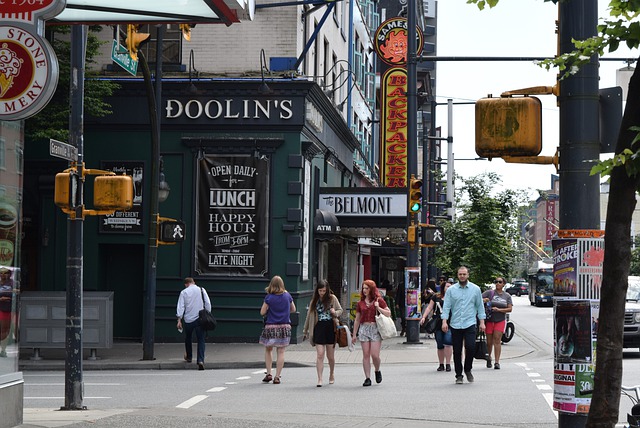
487,307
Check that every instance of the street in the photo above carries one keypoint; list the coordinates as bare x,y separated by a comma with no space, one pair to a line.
409,395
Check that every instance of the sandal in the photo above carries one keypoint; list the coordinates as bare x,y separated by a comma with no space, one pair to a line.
267,378
331,380
276,380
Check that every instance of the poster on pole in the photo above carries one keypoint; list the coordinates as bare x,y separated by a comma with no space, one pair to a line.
412,303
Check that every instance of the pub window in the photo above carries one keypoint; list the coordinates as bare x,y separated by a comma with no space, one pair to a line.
171,45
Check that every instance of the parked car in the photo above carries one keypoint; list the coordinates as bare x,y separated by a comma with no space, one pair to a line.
631,338
518,288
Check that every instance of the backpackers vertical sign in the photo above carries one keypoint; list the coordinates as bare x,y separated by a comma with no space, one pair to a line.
232,216
391,47
28,65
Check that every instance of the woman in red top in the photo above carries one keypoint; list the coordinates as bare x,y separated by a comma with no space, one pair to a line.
365,329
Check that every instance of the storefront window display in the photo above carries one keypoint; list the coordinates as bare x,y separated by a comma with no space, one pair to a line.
11,144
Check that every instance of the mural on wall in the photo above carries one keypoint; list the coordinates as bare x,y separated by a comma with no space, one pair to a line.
232,224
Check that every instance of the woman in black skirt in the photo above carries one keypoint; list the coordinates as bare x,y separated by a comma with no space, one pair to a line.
324,312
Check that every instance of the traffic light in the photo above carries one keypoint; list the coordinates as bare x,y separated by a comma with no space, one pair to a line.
62,197
134,39
415,195
113,192
508,126
412,234
171,231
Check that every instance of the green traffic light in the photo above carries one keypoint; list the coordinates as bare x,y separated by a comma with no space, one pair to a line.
415,207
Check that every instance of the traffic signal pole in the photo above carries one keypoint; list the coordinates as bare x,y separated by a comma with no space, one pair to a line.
579,137
413,325
73,382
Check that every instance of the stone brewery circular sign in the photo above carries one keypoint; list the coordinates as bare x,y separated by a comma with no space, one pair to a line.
28,65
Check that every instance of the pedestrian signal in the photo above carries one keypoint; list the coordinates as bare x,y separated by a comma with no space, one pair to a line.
172,231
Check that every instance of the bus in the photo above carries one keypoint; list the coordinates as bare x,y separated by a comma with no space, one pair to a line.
540,277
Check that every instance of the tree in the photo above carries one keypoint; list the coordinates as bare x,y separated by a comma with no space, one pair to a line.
621,28
484,235
53,120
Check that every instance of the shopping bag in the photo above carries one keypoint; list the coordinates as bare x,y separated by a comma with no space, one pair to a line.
481,348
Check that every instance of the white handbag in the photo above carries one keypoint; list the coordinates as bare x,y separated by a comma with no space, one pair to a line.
386,326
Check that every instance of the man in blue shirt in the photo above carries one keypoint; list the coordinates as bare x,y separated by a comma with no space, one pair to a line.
463,302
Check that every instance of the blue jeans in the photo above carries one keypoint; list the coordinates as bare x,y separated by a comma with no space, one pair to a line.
189,327
468,336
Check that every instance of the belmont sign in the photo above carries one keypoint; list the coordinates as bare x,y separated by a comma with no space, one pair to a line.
358,204
28,65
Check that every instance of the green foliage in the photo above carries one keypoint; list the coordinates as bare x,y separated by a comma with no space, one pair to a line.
484,235
53,120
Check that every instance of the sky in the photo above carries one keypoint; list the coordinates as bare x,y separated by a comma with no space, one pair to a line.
514,28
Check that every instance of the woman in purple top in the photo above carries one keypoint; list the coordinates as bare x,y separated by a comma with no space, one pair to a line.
277,306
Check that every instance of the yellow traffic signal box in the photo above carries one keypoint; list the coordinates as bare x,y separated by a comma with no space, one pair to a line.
508,126
61,197
134,39
113,192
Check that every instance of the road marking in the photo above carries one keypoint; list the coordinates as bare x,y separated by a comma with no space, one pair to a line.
533,374
258,372
243,378
231,383
62,398
191,401
216,389
86,384
544,387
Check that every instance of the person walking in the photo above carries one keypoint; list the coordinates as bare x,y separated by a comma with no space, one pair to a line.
443,340
366,331
324,312
401,306
191,301
462,308
501,305
276,308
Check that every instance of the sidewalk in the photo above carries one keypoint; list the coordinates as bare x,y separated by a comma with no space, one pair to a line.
168,356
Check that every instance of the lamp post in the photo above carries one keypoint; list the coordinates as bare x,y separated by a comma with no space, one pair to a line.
152,255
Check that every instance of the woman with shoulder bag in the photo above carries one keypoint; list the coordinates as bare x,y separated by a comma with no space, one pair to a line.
366,331
324,312
500,303
443,340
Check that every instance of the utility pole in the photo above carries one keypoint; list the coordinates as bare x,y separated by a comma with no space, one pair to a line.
579,137
413,329
73,383
154,98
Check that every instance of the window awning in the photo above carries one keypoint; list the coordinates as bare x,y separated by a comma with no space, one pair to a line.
326,223
156,11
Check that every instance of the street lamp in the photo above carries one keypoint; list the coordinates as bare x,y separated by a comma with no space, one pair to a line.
163,186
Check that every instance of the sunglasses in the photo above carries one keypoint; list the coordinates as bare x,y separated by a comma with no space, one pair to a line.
497,282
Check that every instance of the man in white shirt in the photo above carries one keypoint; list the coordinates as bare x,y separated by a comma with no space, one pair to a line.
191,301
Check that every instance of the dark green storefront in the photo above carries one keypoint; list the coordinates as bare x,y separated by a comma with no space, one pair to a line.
273,151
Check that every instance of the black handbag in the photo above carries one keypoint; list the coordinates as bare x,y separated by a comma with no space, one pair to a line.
432,325
206,320
482,352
